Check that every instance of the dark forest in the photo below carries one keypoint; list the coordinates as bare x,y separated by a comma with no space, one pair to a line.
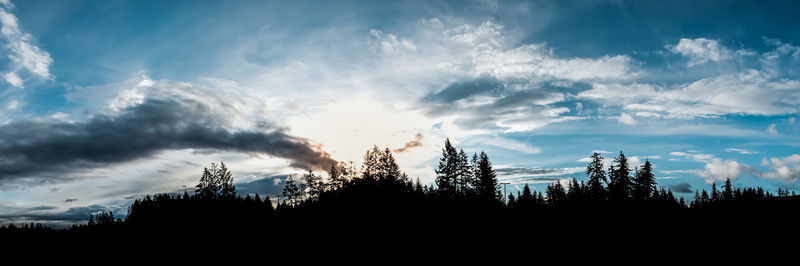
466,202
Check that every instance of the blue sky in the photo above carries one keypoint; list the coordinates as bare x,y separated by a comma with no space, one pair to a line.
104,101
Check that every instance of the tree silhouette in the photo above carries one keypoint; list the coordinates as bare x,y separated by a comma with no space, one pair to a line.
335,178
216,182
447,173
727,191
644,182
576,191
486,183
314,184
619,185
556,193
597,176
291,192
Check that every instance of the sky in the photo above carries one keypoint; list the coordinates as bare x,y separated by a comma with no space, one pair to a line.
102,102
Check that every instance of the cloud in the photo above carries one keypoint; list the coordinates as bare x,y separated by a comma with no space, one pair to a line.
772,130
741,151
626,119
268,186
718,169
465,89
786,168
493,83
20,45
417,142
700,50
748,92
533,180
504,143
715,169
486,103
681,187
388,43
47,148
521,174
693,155
52,215
13,79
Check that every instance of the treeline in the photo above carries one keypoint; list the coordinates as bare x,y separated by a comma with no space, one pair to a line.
378,196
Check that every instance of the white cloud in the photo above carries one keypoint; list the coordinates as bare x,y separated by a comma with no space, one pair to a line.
505,143
20,46
718,169
619,94
694,155
748,92
626,119
389,43
13,105
700,50
772,130
741,151
715,169
13,79
638,161
786,168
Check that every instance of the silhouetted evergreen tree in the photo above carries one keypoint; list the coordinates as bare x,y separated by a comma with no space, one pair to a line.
448,173
619,185
526,199
644,182
335,178
715,197
575,191
727,190
291,192
597,175
314,184
512,201
556,193
215,182
486,179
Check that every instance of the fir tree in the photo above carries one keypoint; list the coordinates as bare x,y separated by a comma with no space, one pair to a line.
619,185
644,182
597,176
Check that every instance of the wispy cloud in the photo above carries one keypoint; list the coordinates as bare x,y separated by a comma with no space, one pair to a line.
21,49
741,151
416,142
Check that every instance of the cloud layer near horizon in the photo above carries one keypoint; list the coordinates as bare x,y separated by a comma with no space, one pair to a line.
50,148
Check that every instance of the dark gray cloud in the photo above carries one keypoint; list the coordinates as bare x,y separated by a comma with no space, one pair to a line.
70,200
42,208
681,188
46,214
528,171
522,175
530,180
268,186
465,89
491,103
43,147
417,142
